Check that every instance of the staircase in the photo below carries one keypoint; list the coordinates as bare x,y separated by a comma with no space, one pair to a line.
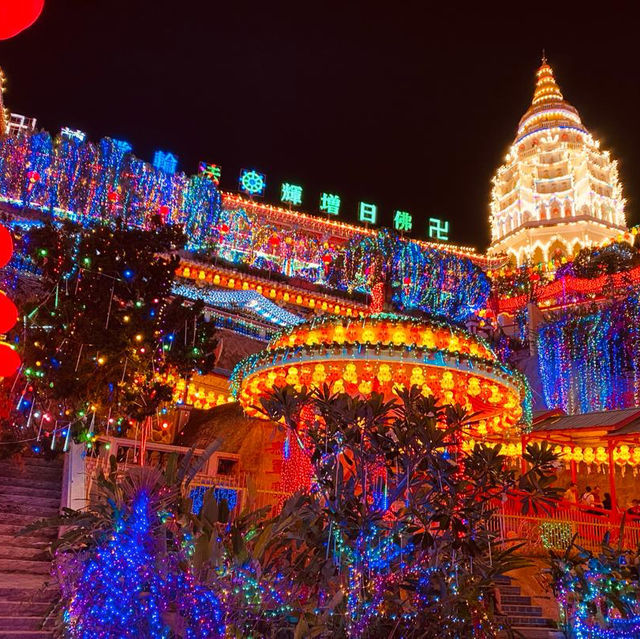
29,490
524,617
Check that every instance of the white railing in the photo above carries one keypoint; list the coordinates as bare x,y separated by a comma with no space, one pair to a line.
221,469
554,528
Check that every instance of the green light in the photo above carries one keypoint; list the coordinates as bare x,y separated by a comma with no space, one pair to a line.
252,182
291,193
402,221
330,203
367,213
438,229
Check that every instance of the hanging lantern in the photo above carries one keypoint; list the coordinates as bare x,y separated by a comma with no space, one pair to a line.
274,240
9,360
164,211
8,313
6,246
18,15
224,229
113,197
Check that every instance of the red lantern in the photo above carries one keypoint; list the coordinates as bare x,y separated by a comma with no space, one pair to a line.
113,196
326,259
8,313
407,281
9,360
164,211
274,240
17,15
224,229
6,246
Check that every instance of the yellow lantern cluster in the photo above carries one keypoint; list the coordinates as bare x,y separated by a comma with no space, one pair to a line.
276,292
383,354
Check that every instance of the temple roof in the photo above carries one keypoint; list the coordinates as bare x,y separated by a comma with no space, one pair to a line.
619,422
548,107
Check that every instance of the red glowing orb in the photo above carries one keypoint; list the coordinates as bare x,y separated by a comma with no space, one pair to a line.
8,313
9,360
17,15
6,245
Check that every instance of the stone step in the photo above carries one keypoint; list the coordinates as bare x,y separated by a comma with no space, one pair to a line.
27,482
518,600
25,460
28,566
26,634
36,511
539,633
39,474
523,621
18,521
24,608
15,552
46,503
34,622
510,590
50,492
520,610
25,541
18,594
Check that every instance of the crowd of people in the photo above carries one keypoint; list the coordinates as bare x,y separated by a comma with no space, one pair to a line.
592,499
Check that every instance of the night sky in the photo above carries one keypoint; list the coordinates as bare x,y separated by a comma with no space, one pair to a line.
407,105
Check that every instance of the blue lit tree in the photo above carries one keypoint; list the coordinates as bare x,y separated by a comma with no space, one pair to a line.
124,565
437,282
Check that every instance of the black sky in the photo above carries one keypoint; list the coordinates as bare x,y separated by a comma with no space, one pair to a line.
407,105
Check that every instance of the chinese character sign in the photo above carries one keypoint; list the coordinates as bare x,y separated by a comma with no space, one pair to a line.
438,229
367,213
165,161
211,171
330,203
291,193
252,182
402,221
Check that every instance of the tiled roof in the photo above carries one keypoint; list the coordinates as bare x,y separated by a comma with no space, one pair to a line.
610,420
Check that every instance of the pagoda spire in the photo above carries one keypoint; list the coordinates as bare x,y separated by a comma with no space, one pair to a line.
547,89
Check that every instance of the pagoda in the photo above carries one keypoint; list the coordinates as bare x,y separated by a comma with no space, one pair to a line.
557,191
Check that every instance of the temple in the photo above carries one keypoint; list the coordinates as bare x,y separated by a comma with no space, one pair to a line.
557,191
537,337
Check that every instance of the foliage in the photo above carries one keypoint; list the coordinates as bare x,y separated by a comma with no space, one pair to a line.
595,261
124,565
394,539
106,329
594,589
437,283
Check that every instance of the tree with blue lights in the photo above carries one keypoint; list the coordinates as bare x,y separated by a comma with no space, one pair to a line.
124,566
394,535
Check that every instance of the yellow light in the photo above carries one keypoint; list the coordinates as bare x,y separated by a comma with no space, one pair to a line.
138,337
101,360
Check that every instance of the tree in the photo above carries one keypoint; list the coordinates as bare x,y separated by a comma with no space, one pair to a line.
395,537
106,329
597,593
124,565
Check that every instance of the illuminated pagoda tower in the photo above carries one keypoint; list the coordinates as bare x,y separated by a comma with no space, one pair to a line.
557,191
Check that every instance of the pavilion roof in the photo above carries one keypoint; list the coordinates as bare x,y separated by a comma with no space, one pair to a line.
615,423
